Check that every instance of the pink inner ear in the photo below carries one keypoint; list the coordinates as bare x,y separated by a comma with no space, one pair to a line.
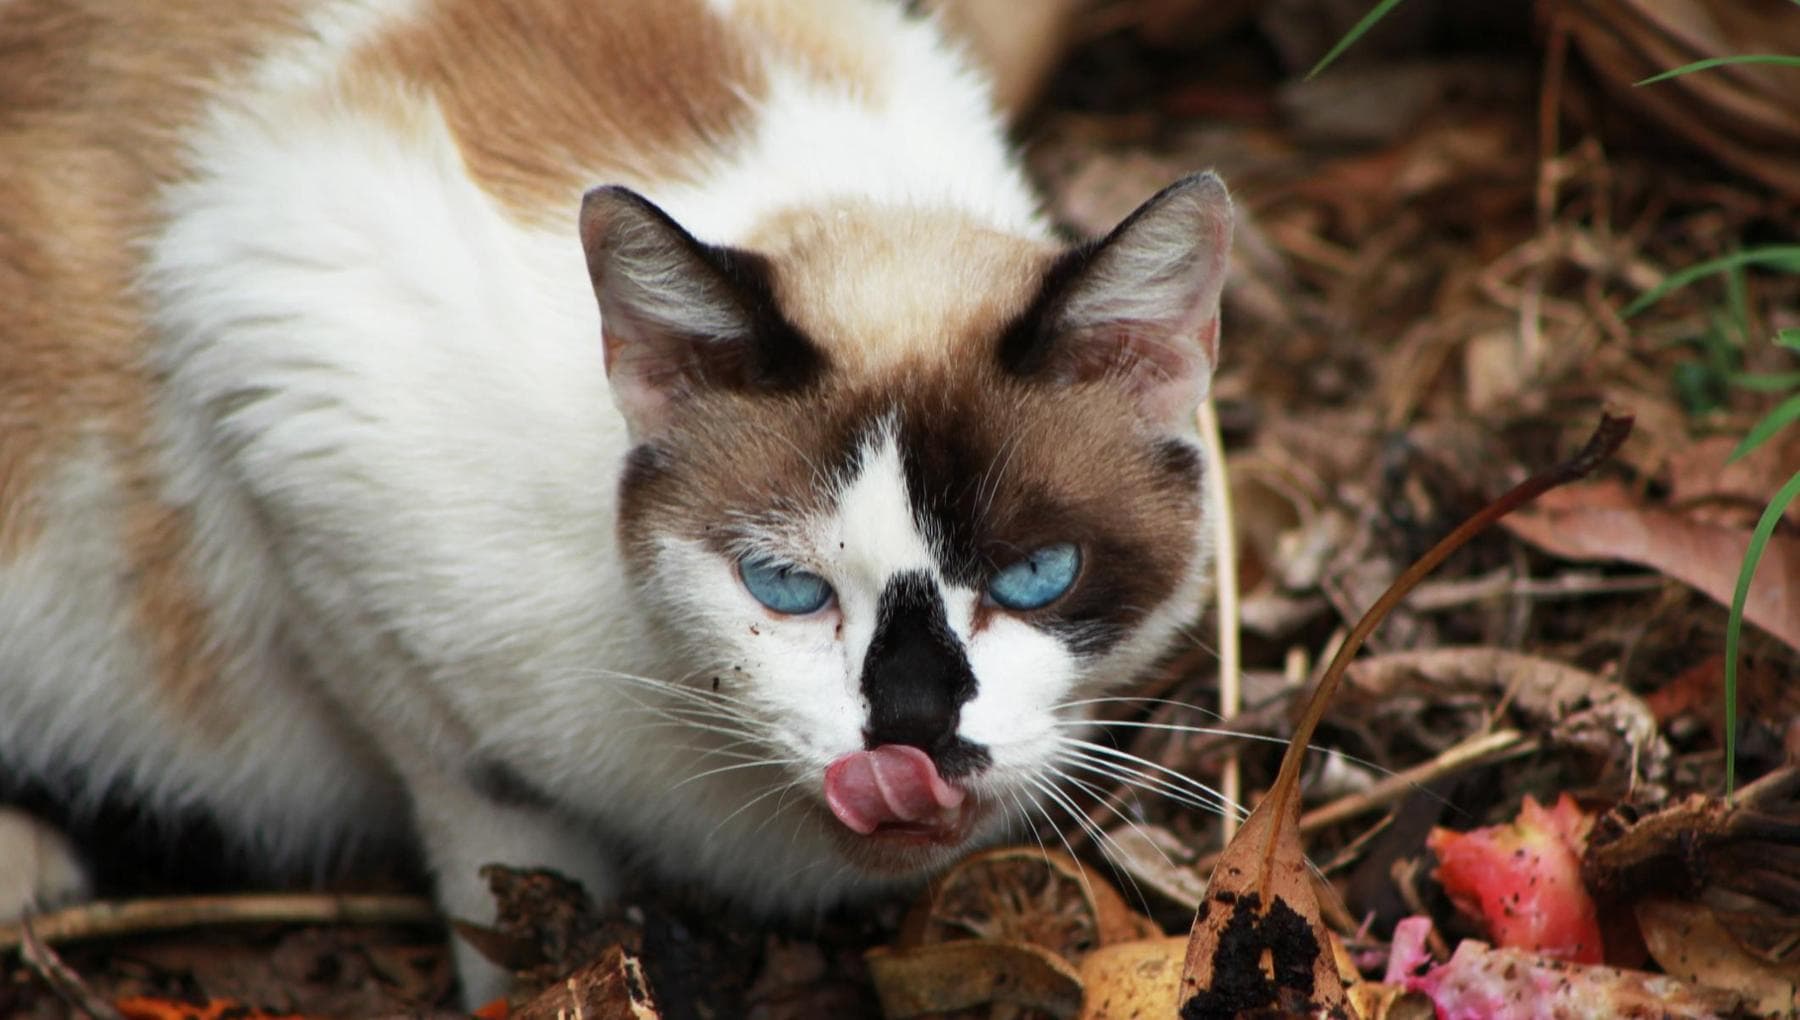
643,377
1164,370
1208,339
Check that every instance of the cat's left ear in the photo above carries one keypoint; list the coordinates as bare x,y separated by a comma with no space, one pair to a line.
1139,308
678,316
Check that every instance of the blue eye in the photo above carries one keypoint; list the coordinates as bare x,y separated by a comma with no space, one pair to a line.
783,587
1037,580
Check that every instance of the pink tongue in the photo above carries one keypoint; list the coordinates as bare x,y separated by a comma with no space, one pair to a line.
892,783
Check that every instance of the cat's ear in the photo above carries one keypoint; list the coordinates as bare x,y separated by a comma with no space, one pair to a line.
678,316
1140,307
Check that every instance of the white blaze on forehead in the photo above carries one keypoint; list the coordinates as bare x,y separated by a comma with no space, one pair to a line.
872,536
874,531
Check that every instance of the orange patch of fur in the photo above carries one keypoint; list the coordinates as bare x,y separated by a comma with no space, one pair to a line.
542,95
90,114
547,98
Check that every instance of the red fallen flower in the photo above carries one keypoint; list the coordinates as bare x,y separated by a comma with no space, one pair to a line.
1523,880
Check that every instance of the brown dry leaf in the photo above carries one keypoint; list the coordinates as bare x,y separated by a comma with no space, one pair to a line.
1744,115
1373,1000
1750,848
1688,942
1134,979
1024,894
1703,471
989,924
1258,941
1579,708
611,988
923,980
1143,979
1141,850
1599,522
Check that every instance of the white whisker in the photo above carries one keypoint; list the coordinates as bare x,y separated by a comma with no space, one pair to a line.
1167,778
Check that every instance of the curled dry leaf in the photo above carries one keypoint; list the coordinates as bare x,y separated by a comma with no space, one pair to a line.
1024,894
613,987
1688,941
1600,522
1744,115
1004,927
1140,851
1746,848
928,980
1373,1000
1703,471
1134,979
1578,708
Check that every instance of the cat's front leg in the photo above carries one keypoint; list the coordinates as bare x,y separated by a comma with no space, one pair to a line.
463,828
39,870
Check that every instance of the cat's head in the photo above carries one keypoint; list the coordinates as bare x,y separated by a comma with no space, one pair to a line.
909,492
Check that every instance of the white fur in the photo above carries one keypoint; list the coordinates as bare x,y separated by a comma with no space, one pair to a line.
932,139
40,870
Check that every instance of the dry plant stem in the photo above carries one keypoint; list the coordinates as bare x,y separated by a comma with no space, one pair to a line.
1441,596
61,978
130,917
1231,698
1480,749
1607,436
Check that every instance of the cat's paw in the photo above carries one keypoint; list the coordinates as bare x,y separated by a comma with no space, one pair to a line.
38,868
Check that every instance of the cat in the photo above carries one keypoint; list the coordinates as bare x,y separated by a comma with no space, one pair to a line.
571,433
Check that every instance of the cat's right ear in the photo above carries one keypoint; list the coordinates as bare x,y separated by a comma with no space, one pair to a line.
678,316
1139,309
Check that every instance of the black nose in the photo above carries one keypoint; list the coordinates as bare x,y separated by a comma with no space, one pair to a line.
915,674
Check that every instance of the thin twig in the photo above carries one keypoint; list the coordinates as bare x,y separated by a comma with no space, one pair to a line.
109,919
1479,749
1454,593
1231,697
62,978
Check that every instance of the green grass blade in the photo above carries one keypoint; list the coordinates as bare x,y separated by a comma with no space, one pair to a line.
1734,624
1786,413
1780,256
1737,298
1712,62
1356,32
1765,382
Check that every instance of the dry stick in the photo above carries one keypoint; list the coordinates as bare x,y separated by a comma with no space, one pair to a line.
131,917
1607,436
1480,749
61,978
1231,697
